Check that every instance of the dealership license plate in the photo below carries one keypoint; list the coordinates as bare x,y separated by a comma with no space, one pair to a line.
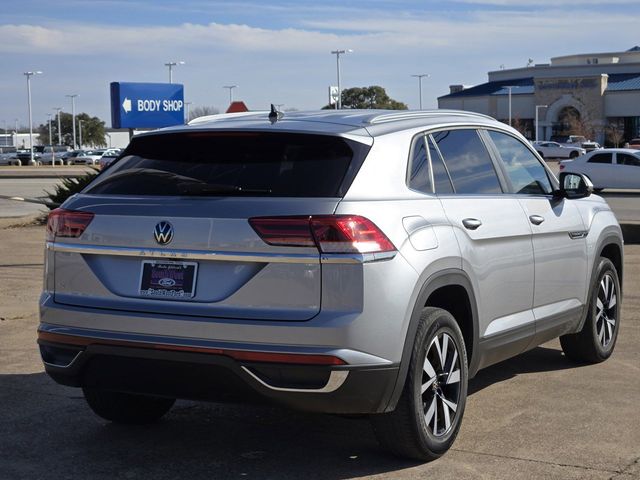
162,279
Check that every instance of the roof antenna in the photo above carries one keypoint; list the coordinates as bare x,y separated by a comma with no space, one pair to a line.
275,115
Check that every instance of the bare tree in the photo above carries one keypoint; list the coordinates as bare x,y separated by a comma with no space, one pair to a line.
615,134
202,111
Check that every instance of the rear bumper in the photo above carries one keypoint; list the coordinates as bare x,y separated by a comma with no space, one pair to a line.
312,381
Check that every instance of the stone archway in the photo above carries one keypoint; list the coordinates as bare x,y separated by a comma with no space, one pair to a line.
562,116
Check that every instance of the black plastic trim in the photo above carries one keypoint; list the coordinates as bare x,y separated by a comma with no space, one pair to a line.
441,279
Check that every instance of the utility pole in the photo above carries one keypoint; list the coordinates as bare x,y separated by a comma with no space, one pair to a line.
50,137
57,109
29,75
73,118
509,87
171,65
420,76
337,53
188,107
230,87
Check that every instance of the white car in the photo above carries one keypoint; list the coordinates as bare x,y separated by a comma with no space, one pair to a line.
90,157
608,168
555,150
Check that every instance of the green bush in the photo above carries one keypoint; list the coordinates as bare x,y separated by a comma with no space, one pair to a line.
69,186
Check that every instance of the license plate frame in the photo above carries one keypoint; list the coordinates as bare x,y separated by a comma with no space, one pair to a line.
168,279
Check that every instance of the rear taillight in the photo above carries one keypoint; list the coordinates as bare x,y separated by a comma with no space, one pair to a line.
561,167
67,223
329,233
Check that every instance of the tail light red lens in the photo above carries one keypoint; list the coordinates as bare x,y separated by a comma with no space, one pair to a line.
329,233
284,231
67,223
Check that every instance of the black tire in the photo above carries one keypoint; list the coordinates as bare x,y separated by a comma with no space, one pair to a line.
411,430
541,154
127,408
597,339
573,155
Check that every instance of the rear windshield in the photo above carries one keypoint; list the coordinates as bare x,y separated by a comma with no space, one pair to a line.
234,163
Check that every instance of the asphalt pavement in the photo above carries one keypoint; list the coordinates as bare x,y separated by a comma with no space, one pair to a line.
535,416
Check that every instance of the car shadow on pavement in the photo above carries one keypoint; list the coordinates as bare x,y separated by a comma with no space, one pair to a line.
52,433
539,359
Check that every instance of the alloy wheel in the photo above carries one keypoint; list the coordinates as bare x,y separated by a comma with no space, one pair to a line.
606,310
440,384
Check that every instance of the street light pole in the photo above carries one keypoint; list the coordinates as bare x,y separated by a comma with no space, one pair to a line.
80,127
230,87
171,65
420,77
509,87
337,53
188,106
50,138
537,107
73,118
57,109
29,75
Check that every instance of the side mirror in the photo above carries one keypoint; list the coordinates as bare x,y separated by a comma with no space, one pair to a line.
574,185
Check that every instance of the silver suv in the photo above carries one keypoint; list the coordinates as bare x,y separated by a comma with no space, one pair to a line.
349,262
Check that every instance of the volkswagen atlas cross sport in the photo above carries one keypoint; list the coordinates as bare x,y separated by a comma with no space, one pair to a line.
347,262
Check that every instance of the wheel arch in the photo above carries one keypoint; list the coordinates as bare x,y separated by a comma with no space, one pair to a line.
443,290
609,246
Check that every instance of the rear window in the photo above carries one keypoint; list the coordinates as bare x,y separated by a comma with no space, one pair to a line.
234,163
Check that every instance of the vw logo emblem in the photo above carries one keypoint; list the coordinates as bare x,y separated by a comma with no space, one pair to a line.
163,233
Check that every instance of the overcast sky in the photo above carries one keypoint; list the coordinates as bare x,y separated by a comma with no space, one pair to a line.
279,51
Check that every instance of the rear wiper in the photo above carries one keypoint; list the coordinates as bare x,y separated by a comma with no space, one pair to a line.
188,188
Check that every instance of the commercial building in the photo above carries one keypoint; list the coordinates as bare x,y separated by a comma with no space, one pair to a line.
593,94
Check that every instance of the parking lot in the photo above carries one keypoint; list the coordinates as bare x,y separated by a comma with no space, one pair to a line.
535,416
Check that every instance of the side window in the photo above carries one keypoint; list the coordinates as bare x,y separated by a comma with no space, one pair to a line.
467,161
526,173
601,158
626,159
419,176
440,175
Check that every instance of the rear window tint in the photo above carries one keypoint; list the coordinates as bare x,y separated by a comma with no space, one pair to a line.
234,163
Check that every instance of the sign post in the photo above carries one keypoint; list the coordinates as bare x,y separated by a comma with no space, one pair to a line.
146,105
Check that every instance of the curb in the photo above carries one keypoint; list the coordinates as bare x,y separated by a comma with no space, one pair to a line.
14,222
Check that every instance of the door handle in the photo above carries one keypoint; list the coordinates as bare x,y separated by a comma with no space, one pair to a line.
536,219
471,223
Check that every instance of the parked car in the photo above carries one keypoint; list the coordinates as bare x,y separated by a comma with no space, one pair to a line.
590,146
348,262
23,157
608,168
70,156
555,150
108,157
89,157
7,158
51,153
634,143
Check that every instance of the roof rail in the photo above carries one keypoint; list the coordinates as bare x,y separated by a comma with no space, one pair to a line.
225,116
410,115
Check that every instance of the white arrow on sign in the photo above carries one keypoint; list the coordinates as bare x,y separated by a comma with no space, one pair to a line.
126,105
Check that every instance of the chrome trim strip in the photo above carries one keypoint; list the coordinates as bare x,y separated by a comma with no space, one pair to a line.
305,258
183,254
579,234
336,379
68,365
